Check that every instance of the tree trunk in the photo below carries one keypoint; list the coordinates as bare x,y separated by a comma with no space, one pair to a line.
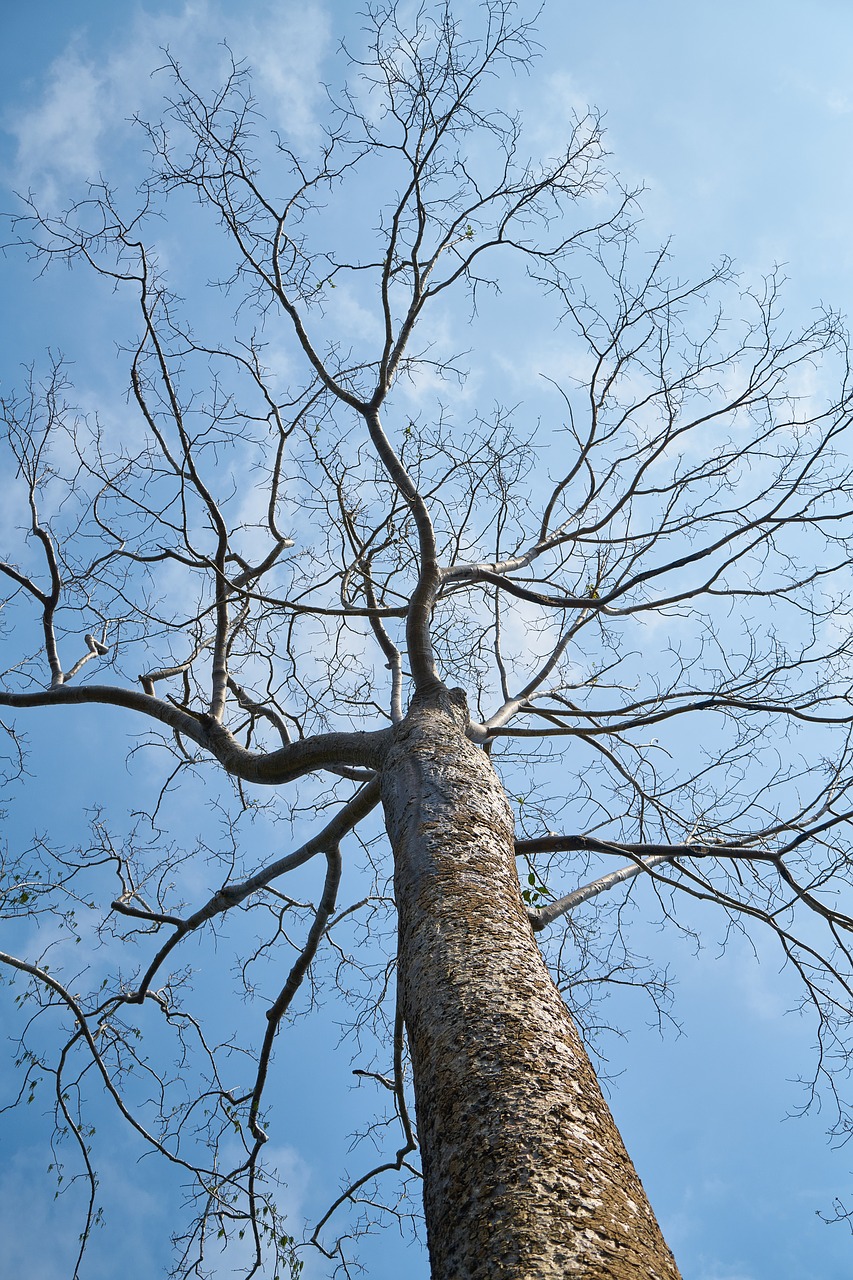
525,1174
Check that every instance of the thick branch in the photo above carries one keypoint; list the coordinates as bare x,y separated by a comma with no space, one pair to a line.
325,750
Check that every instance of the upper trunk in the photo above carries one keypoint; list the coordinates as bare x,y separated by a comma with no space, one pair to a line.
525,1174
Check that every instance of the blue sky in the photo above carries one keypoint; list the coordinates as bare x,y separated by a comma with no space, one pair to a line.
738,119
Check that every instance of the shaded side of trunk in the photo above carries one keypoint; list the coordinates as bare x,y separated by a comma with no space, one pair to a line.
525,1174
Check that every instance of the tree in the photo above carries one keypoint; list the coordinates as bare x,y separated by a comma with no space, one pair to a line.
366,608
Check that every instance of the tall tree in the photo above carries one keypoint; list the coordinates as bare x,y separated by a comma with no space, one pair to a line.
370,609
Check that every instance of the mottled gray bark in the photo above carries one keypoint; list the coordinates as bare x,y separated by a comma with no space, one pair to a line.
525,1173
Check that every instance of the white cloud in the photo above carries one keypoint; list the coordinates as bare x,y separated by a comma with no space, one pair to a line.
69,134
63,133
286,53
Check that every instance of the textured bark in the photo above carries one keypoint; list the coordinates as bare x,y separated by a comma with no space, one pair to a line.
525,1174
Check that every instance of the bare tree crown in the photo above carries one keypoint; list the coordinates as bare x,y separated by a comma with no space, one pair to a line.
301,520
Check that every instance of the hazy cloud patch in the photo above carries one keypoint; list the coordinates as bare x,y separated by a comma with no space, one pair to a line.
70,133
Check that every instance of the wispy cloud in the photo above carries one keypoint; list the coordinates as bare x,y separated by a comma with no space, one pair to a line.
71,131
286,52
63,132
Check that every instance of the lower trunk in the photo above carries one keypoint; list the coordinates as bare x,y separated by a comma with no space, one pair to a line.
525,1174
